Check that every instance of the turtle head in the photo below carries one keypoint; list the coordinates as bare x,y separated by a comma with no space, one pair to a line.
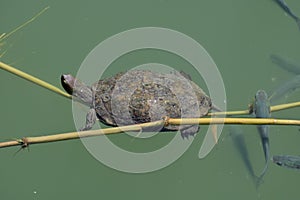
68,81
77,89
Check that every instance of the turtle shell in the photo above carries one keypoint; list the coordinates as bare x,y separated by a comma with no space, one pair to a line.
139,96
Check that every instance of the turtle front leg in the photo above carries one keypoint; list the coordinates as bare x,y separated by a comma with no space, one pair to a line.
91,118
188,130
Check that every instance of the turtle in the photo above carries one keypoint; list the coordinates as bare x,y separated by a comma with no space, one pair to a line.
140,96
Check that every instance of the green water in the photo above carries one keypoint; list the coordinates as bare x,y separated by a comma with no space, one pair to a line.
238,34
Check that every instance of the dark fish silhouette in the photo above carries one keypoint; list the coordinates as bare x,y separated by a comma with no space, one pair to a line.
261,109
285,64
285,7
288,161
240,144
286,88
290,85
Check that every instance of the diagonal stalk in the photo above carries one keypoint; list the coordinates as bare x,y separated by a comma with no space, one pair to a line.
60,92
4,36
34,79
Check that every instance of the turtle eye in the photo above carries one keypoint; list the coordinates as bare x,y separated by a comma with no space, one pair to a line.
279,163
105,97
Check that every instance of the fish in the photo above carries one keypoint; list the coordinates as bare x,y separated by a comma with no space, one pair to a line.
261,109
286,8
290,85
286,88
285,64
288,161
238,139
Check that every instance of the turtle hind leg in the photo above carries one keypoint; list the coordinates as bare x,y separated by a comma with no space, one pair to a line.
91,118
189,130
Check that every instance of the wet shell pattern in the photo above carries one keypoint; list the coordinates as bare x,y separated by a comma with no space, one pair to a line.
139,96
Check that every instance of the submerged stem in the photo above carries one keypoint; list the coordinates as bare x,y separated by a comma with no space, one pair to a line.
246,112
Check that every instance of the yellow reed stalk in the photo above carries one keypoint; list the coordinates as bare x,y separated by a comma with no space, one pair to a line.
34,79
26,141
